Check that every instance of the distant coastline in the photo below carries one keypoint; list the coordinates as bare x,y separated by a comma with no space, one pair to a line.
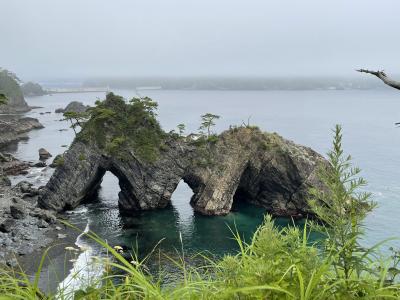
234,83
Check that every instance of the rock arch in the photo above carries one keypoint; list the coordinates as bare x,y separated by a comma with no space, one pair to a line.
265,168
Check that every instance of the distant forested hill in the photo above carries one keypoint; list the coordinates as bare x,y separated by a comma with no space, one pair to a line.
235,83
10,87
32,89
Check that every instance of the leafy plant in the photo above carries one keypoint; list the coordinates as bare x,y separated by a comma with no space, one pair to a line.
59,161
342,208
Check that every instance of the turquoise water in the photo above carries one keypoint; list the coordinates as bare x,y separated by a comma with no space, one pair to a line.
305,117
170,225
176,232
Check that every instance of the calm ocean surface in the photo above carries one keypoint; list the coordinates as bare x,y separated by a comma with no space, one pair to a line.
306,117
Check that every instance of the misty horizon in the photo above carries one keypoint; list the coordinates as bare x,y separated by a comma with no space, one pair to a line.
47,40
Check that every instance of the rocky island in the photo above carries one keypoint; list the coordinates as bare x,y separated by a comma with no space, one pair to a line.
32,89
241,164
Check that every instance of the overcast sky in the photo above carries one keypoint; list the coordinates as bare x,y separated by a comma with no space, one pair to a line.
45,39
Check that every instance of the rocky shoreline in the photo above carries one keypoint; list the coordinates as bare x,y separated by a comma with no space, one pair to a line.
24,227
14,128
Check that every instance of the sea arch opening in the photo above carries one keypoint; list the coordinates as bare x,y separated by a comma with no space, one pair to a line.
111,184
180,201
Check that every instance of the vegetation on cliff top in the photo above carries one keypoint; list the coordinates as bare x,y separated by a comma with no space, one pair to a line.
116,126
275,264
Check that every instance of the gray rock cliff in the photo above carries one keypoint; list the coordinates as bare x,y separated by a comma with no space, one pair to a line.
243,165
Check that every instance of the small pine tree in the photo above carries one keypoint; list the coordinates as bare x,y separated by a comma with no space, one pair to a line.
207,122
77,119
181,128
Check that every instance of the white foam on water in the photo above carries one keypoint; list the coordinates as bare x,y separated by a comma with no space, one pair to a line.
86,270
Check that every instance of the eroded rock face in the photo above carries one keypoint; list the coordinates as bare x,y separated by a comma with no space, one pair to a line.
244,164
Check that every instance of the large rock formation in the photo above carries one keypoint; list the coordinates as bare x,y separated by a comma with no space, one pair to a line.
241,164
10,88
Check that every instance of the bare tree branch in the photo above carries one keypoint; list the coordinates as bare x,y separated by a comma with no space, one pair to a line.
382,76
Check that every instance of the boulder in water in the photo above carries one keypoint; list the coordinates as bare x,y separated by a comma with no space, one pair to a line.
44,154
74,106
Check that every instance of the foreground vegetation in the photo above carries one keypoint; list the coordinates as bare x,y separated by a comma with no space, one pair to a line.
275,264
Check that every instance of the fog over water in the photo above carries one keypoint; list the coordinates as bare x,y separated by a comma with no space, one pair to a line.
47,39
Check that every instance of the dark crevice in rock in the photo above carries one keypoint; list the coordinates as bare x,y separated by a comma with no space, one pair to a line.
92,189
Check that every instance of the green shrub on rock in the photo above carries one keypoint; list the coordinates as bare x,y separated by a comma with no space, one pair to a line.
116,126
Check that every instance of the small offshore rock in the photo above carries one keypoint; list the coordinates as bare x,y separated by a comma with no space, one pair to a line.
61,236
73,106
44,154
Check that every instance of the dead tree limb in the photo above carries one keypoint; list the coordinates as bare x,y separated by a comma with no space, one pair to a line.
382,76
